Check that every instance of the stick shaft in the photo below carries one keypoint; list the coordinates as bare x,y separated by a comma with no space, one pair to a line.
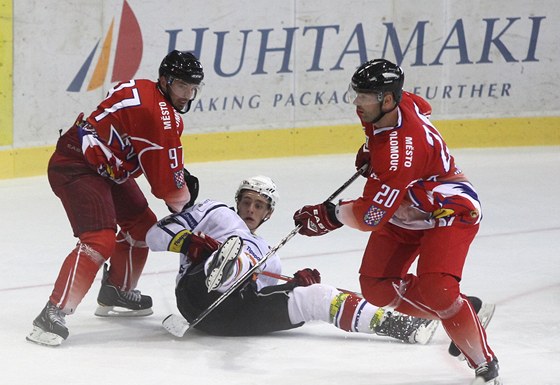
347,183
288,279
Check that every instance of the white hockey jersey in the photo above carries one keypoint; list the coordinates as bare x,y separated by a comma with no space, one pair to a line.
219,221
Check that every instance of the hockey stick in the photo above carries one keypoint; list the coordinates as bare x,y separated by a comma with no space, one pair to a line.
178,326
289,279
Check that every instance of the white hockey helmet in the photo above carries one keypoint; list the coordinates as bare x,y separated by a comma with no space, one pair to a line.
262,185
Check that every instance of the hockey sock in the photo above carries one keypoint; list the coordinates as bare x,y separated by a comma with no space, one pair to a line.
80,268
321,302
127,262
354,314
131,251
467,333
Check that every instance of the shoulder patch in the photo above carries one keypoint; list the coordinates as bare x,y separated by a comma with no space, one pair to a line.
373,216
179,179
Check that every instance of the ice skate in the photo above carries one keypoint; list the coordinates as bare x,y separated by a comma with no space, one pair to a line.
118,303
487,374
485,311
406,328
49,327
221,265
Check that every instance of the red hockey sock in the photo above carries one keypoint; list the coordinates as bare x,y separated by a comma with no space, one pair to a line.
131,252
127,264
467,333
80,268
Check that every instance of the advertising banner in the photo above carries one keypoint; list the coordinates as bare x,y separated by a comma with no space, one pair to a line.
280,64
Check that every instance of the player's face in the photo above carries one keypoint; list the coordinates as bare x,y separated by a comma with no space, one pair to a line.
253,208
182,92
368,105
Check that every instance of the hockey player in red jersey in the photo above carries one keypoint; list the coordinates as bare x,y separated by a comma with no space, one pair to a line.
262,305
418,206
135,130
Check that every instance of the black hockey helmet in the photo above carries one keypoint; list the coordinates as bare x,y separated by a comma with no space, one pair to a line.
182,65
379,75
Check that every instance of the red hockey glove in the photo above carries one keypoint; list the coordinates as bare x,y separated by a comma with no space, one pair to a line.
362,158
306,277
198,247
317,219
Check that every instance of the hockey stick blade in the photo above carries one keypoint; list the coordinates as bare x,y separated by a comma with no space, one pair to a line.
255,269
175,325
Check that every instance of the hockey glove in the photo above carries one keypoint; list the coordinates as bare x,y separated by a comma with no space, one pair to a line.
306,277
362,158
192,184
317,219
198,247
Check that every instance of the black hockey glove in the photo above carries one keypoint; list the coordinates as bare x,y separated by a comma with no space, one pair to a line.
192,185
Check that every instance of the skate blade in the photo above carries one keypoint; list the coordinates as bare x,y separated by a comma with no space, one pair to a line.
480,381
117,311
486,313
425,333
41,337
231,248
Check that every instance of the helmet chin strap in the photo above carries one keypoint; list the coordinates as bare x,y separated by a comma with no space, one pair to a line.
378,117
383,113
266,218
188,107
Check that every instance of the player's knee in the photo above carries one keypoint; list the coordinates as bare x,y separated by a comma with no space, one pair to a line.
100,242
138,228
439,291
378,291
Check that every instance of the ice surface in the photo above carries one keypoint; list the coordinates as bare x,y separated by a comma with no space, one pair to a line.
514,262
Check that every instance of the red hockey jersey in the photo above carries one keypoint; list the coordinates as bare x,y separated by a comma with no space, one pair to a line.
135,131
414,183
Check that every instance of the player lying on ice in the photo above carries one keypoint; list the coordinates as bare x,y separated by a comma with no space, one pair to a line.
217,245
